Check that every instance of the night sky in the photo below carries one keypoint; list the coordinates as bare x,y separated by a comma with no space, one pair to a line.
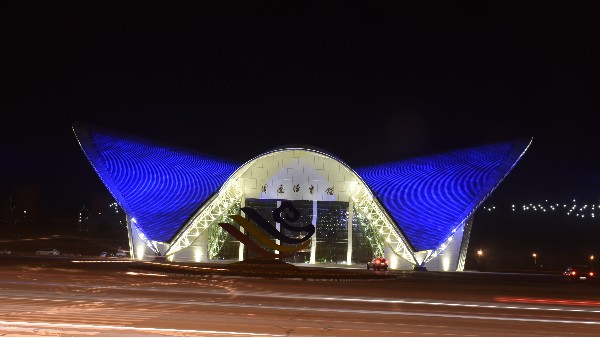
368,81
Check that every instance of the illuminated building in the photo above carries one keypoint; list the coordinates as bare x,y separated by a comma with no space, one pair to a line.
416,212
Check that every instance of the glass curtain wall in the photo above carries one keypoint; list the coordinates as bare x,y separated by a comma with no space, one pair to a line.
331,233
363,239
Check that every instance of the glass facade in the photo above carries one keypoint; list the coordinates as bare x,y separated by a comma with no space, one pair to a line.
365,245
305,208
331,233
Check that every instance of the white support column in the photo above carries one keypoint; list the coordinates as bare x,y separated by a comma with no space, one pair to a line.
130,237
242,230
278,227
313,246
350,216
387,253
203,243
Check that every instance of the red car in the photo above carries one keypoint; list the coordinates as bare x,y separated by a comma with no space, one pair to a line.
378,263
581,273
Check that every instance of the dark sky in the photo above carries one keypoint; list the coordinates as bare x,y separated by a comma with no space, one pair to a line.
369,81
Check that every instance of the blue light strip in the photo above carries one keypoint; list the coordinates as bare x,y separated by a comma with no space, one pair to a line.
160,186
429,197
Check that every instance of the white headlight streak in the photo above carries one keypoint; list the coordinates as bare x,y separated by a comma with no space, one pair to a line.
128,328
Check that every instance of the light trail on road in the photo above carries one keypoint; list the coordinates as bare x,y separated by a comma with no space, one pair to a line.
573,306
239,305
67,303
150,330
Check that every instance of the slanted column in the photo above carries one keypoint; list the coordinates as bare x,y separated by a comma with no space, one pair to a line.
350,216
387,252
204,245
242,230
313,241
130,237
278,227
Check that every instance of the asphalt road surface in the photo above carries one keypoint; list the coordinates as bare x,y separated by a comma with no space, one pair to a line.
95,298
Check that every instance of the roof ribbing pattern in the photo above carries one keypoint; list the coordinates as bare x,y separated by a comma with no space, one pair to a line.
429,197
160,186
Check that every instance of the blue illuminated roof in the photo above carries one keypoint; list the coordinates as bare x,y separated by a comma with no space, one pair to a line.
163,186
429,197
160,186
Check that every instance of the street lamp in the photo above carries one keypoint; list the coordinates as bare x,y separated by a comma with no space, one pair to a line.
479,259
534,258
592,258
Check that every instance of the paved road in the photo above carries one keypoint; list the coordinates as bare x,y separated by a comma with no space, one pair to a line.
102,299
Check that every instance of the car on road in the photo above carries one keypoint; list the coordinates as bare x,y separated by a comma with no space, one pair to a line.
581,273
47,252
378,263
5,252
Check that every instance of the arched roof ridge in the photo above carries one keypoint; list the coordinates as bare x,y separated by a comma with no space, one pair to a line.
300,146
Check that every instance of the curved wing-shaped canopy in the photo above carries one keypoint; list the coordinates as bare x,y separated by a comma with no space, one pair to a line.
429,197
160,186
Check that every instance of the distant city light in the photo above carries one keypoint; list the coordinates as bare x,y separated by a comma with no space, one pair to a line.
579,212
